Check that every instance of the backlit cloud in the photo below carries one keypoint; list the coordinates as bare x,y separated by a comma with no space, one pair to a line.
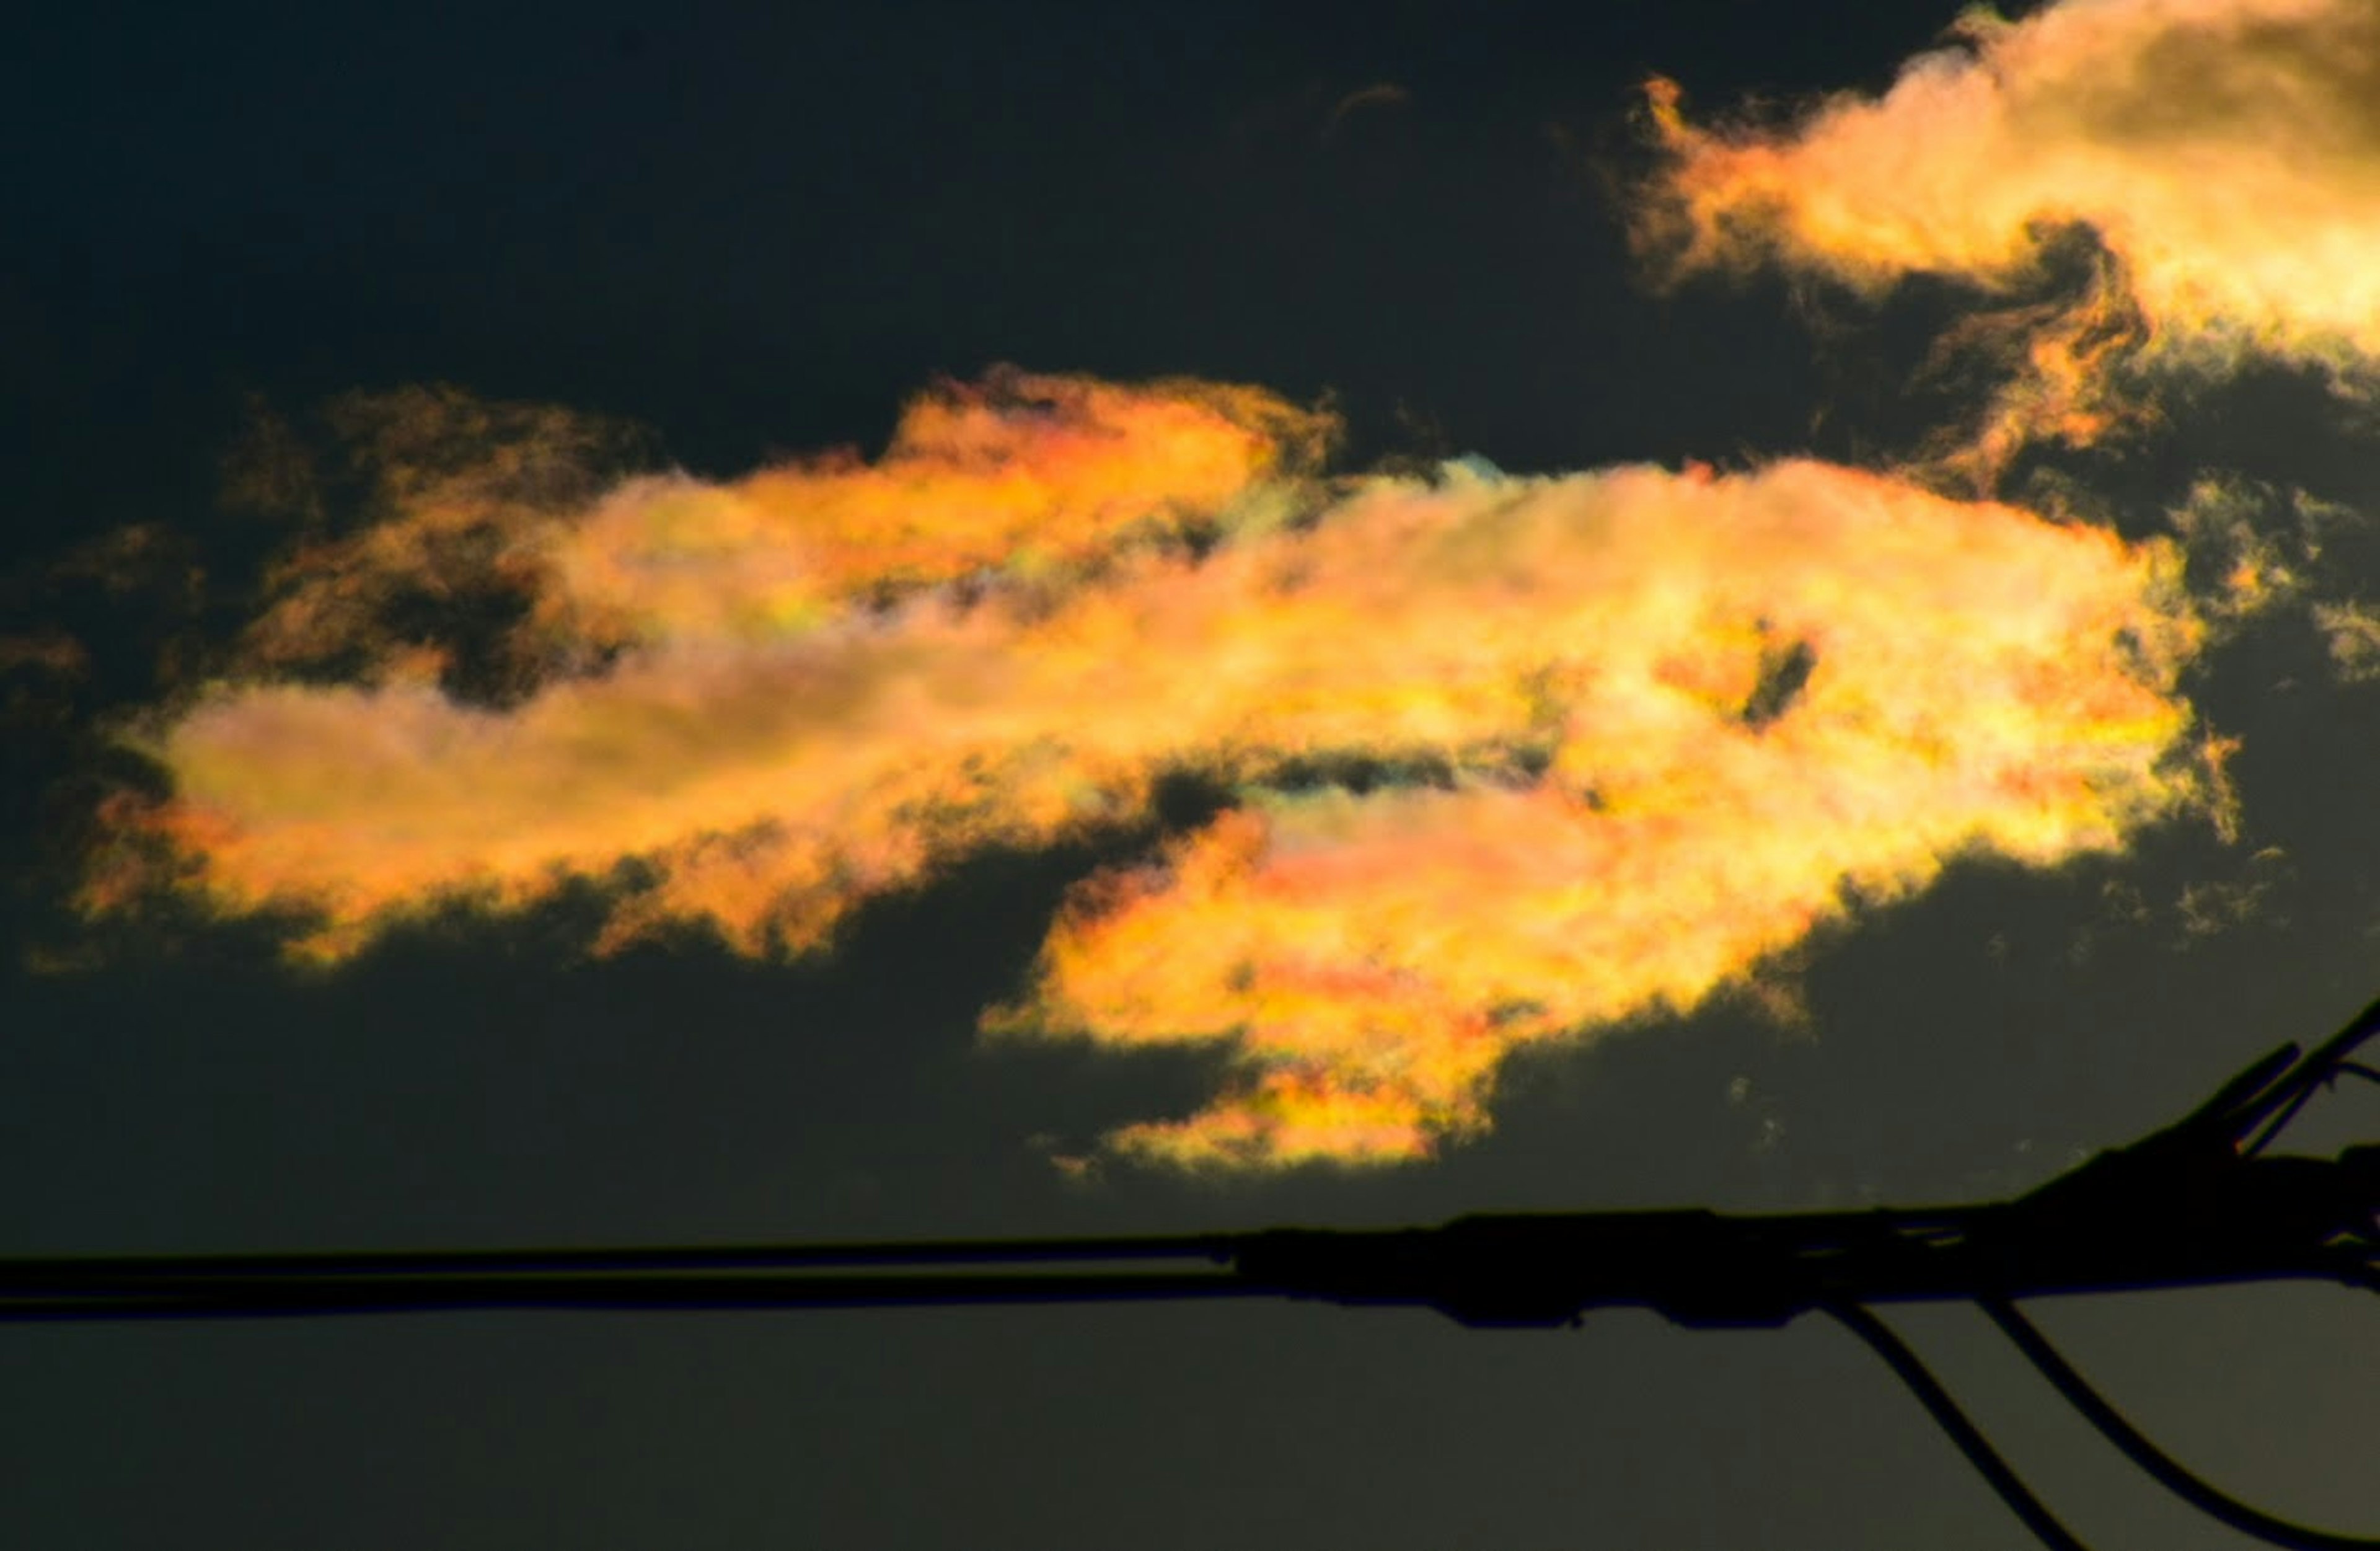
2226,154
1516,759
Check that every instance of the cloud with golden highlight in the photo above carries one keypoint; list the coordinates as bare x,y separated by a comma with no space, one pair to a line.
1515,759
2224,154
478,505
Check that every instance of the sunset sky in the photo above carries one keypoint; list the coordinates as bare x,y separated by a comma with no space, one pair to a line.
940,622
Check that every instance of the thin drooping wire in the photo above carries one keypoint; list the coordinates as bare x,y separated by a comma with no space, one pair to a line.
1912,1371
2280,1122
2322,1070
2263,1101
2169,1472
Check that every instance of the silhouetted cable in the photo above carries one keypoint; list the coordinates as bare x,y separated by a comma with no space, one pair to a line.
2190,1204
2169,1472
2111,1225
2280,1122
2320,1070
34,1297
1913,1372
573,1259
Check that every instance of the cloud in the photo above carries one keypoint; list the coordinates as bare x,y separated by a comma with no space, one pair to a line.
2224,154
46,653
1379,94
518,513
1513,759
2351,630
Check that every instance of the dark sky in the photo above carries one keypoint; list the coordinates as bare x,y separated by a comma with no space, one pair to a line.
757,231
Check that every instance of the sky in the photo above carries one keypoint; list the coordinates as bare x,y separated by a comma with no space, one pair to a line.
935,621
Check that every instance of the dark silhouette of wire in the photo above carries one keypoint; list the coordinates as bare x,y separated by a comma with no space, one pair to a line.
2107,1225
2296,1086
2280,1122
2169,1472
1912,1371
229,1296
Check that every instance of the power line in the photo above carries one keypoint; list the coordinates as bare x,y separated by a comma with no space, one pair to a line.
2200,1202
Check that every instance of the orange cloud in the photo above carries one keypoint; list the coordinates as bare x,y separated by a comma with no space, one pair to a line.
1978,682
2225,153
1623,735
1025,474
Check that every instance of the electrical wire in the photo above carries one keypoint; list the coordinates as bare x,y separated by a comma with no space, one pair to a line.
2295,1087
2169,1472
1912,1371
